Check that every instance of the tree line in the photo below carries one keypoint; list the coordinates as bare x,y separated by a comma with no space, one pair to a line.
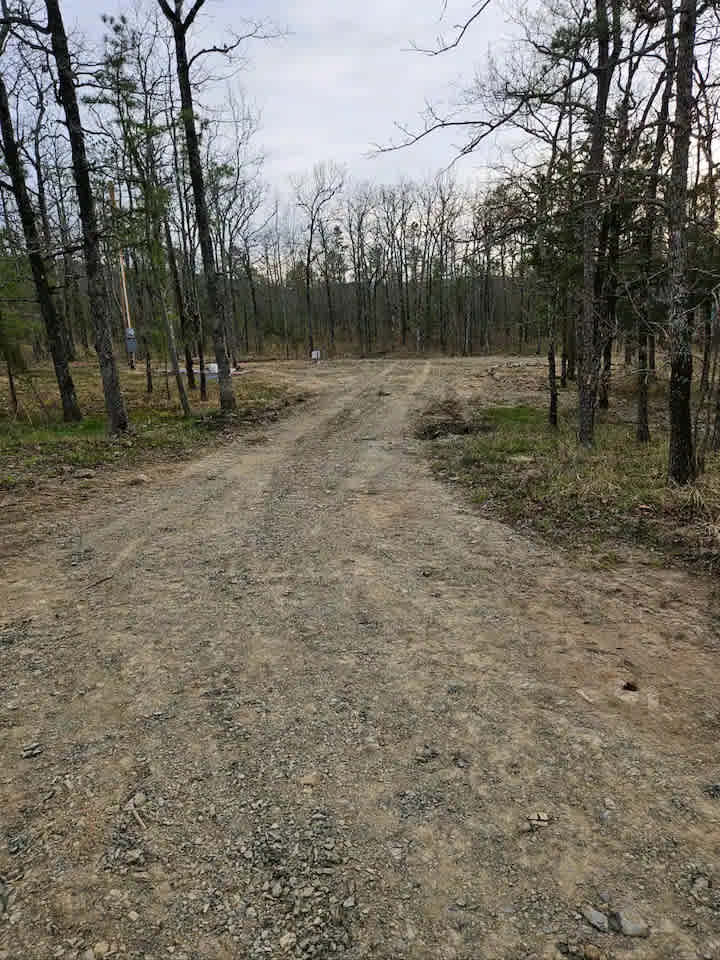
612,110
130,200
345,266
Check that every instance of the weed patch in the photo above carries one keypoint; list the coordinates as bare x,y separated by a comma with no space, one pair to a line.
38,444
521,471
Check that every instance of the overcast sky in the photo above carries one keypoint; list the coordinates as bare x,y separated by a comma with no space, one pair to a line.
343,76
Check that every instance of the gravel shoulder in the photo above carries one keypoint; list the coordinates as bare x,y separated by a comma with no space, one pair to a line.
298,699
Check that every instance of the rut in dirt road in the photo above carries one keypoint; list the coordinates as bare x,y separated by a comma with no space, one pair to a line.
322,708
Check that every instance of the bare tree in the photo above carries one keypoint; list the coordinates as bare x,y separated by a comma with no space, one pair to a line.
137,102
681,463
181,24
588,334
649,229
53,321
114,401
312,197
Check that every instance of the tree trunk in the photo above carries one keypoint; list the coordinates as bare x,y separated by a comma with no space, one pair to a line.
328,290
80,315
189,370
172,348
148,367
13,394
608,328
203,377
552,383
114,400
604,395
629,348
234,315
246,329
286,332
646,339
257,319
158,294
643,425
572,352
308,301
588,347
180,303
681,459
227,395
331,314
707,350
65,316
38,166
54,326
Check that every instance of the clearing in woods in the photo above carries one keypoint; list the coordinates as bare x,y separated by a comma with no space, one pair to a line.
299,699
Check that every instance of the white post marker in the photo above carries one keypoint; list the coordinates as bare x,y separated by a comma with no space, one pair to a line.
315,356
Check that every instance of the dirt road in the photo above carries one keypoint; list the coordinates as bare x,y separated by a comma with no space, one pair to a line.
299,699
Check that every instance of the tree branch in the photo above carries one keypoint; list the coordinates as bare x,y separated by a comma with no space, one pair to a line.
193,13
256,33
13,21
9,20
225,49
462,29
168,11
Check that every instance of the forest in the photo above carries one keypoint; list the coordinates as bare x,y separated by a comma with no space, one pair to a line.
135,214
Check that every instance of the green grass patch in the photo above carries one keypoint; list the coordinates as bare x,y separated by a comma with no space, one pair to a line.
520,416
522,471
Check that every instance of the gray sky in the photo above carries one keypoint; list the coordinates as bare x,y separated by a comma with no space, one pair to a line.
343,76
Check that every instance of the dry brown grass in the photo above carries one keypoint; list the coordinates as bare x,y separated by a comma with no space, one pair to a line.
38,444
525,473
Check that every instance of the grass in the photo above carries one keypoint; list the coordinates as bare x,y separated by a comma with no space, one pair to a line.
523,472
38,444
